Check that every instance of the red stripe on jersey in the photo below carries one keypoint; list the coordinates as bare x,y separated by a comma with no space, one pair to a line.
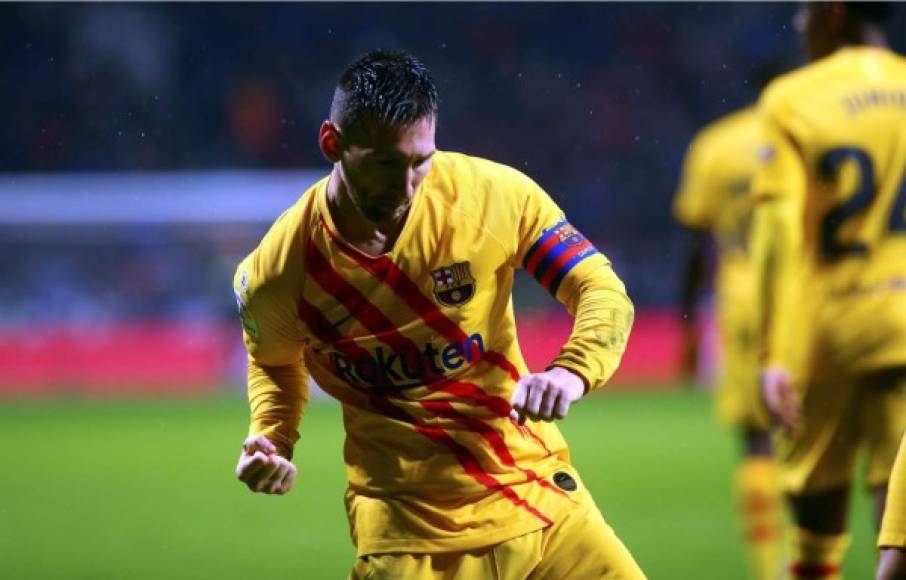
501,361
322,328
383,328
360,307
519,502
385,270
373,319
560,262
543,250
388,272
324,331
470,463
470,392
813,570
548,485
471,466
498,405
538,440
445,409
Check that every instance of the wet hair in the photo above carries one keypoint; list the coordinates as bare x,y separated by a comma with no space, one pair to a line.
871,12
385,86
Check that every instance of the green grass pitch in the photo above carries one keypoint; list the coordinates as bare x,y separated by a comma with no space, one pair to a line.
145,489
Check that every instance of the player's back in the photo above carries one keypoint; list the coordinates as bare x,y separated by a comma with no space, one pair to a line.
845,116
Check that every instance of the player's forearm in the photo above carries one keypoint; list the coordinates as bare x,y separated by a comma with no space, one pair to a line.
892,564
277,398
603,317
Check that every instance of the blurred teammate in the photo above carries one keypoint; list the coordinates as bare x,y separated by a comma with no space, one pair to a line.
714,201
390,282
830,252
892,539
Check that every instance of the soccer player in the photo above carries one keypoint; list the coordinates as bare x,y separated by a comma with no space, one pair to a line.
830,253
892,539
714,202
389,282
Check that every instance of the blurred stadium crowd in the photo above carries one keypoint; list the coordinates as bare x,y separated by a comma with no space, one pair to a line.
594,101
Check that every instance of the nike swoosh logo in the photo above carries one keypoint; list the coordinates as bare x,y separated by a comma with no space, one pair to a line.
341,321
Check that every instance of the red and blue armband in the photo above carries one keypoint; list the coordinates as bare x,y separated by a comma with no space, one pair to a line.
555,253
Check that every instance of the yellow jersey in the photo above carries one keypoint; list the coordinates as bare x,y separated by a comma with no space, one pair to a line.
836,162
715,196
420,347
893,526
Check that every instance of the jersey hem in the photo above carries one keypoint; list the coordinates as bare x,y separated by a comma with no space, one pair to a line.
892,540
460,543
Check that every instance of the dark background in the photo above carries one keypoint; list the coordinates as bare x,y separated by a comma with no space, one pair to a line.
597,102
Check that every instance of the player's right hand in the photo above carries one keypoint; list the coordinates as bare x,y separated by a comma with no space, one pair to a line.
261,469
781,398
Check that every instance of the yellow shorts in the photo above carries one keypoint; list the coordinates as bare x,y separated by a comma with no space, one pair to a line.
840,415
578,545
893,528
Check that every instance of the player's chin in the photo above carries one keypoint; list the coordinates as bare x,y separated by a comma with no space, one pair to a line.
384,208
377,215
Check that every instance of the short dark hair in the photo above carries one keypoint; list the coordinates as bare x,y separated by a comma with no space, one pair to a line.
388,86
873,12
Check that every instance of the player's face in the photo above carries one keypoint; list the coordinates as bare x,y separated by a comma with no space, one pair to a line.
382,167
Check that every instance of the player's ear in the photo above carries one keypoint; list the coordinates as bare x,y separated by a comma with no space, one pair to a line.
329,140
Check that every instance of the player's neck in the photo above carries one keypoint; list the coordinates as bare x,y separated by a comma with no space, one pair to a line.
862,40
355,229
875,38
870,36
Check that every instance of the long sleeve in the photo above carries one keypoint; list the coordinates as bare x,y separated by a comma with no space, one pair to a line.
776,243
266,286
278,396
572,270
776,240
596,298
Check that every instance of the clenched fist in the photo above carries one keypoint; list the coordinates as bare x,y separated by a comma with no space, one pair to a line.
261,469
781,398
546,396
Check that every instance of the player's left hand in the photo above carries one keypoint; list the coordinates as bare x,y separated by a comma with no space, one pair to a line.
780,398
261,469
546,396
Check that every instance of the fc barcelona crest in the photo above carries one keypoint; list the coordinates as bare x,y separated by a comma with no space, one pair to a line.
453,285
568,234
